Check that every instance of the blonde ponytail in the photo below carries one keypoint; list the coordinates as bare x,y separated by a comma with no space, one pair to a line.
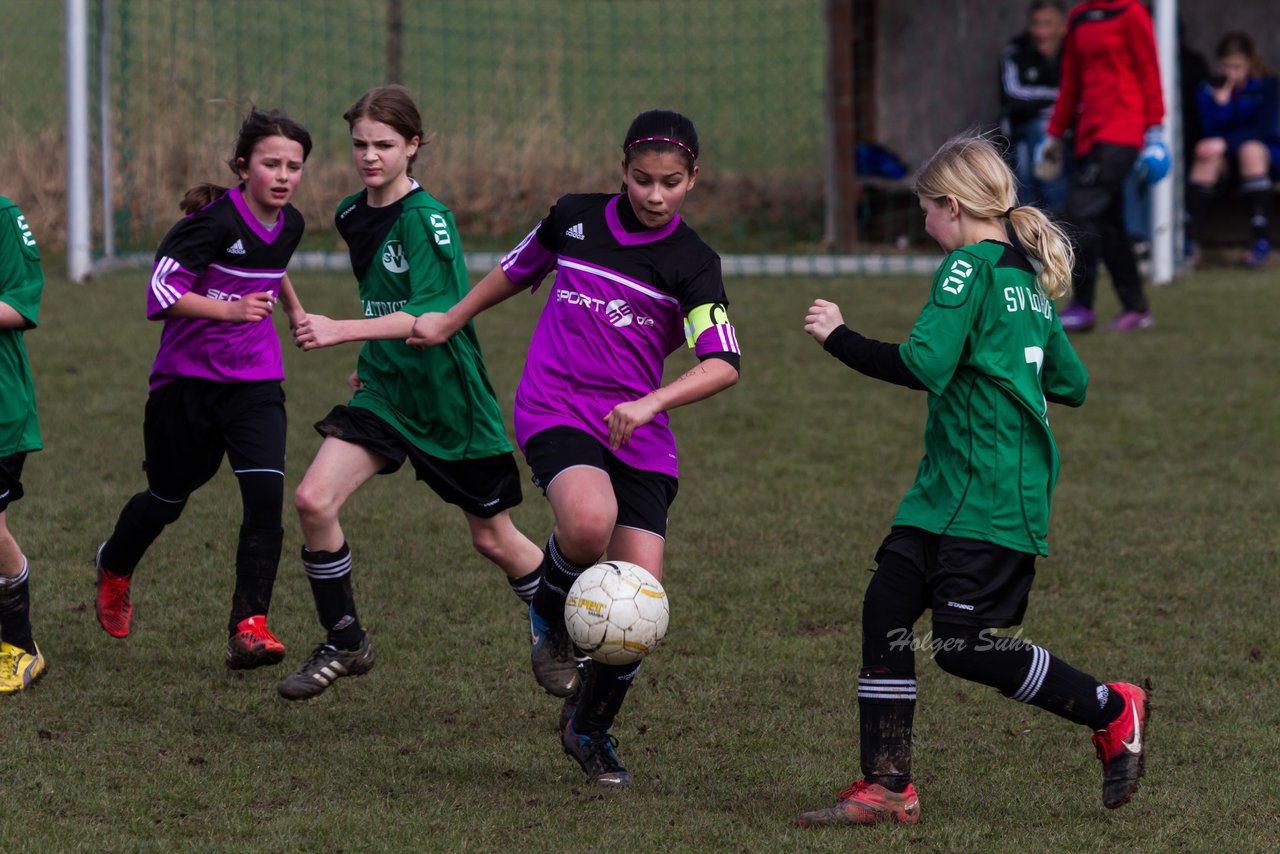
970,168
1046,243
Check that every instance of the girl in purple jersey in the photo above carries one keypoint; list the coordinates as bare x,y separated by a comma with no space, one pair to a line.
216,383
633,282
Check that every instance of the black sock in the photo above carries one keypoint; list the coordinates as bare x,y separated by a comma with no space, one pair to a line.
1257,196
1024,672
15,610
526,585
558,575
604,687
1199,200
886,712
1050,683
330,577
257,560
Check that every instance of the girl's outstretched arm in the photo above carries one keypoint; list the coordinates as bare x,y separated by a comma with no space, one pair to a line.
316,330
292,305
437,327
876,359
708,377
821,319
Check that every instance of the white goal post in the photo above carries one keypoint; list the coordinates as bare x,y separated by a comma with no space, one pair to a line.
1166,225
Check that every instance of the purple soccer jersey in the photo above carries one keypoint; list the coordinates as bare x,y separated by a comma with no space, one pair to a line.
615,312
221,252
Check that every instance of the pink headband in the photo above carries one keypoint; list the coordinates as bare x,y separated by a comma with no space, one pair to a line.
677,142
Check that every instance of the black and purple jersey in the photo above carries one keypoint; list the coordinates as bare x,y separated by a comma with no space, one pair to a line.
624,298
221,252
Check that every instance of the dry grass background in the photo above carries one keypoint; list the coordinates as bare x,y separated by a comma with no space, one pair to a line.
497,182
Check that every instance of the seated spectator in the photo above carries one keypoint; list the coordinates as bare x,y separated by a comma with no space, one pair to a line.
1238,114
1028,89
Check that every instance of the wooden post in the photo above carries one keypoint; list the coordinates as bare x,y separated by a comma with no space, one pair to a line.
841,185
395,33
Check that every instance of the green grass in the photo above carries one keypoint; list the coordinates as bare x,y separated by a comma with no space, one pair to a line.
1164,568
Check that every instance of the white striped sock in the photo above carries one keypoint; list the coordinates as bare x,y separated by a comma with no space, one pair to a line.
873,688
1035,676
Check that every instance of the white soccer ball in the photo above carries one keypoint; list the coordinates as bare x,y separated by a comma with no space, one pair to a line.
616,612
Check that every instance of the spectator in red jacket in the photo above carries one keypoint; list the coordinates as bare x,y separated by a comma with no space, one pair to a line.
1109,92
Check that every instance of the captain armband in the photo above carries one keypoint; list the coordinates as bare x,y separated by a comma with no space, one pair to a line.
708,330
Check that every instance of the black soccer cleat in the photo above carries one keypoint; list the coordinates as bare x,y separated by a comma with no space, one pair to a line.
597,755
326,664
553,657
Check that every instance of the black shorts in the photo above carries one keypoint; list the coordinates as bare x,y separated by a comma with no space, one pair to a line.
483,487
11,479
969,582
643,497
191,423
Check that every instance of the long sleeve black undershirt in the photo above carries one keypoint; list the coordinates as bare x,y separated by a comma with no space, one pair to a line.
876,359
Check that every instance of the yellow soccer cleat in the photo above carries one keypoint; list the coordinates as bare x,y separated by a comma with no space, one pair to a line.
19,669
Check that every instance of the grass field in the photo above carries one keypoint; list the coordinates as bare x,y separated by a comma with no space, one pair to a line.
1164,568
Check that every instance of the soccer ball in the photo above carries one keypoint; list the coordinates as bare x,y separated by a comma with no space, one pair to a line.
616,612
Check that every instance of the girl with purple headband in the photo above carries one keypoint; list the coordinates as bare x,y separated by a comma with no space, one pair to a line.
633,282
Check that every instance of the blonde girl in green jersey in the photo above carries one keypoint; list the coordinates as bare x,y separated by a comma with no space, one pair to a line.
990,352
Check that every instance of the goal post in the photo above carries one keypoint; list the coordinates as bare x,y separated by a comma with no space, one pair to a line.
79,236
1166,225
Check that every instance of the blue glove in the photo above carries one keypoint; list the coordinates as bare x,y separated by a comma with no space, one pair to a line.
1153,161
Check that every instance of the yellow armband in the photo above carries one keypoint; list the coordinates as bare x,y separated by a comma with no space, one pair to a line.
702,318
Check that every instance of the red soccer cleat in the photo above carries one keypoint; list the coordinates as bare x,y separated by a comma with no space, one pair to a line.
1122,746
113,604
866,803
252,645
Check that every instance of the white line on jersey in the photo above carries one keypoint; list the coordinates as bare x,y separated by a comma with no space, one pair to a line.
616,277
247,274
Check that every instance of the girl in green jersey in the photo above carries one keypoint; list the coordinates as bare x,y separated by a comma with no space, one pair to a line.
21,285
990,351
434,408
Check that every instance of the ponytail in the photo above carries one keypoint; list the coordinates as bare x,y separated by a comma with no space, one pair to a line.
201,196
970,168
1044,240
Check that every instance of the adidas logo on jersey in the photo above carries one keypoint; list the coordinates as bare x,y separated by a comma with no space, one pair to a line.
575,231
236,248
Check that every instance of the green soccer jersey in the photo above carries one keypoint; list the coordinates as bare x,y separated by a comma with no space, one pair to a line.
21,284
990,349
407,257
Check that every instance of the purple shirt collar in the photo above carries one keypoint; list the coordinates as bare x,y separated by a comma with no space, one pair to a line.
627,238
268,235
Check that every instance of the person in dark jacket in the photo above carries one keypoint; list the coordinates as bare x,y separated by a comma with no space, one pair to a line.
1028,89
